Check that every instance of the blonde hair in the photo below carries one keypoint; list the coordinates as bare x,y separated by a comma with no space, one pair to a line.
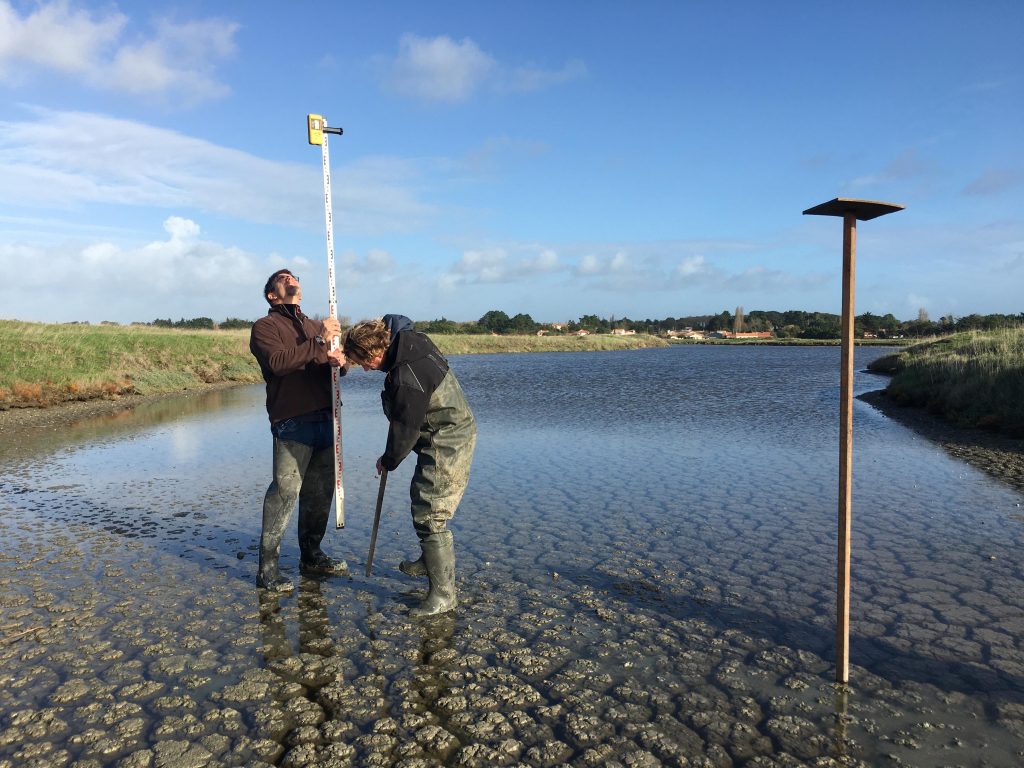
364,341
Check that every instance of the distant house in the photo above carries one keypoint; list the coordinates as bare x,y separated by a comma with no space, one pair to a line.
542,332
622,332
558,326
744,335
582,332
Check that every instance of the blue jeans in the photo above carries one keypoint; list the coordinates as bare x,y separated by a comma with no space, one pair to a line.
315,434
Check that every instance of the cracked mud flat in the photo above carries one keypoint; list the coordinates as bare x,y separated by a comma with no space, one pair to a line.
677,615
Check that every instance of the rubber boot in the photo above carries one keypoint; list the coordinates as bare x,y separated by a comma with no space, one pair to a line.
319,564
439,561
267,575
413,567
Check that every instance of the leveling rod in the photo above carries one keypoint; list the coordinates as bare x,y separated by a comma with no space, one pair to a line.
317,129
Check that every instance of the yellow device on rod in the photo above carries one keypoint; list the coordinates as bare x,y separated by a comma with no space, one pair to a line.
315,127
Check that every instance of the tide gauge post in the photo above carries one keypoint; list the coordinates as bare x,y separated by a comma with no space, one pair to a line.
850,211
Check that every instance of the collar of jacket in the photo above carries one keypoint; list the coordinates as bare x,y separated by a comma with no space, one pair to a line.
294,311
391,356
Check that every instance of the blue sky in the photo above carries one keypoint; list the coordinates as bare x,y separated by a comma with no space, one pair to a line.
640,159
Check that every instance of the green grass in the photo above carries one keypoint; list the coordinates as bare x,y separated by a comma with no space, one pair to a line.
42,364
974,379
468,343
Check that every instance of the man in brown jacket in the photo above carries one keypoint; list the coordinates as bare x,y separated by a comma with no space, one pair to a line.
295,357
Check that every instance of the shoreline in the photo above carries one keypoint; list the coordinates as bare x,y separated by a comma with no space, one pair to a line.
995,454
27,419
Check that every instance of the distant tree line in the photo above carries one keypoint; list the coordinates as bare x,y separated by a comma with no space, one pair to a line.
793,324
202,323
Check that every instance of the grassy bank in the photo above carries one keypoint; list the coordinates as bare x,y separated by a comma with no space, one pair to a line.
43,364
469,344
973,379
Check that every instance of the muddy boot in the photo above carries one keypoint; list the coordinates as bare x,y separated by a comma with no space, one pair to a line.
272,581
268,576
439,562
319,564
413,567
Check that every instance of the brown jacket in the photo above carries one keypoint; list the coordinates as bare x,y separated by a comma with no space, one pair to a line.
293,362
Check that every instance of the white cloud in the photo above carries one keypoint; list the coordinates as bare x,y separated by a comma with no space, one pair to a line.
181,229
379,260
496,265
181,276
176,60
485,266
690,266
588,264
629,270
620,262
70,159
616,265
545,261
439,69
55,37
378,265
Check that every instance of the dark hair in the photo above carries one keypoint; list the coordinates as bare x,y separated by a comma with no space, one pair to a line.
269,287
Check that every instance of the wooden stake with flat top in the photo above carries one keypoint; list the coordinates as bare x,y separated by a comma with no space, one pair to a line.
850,210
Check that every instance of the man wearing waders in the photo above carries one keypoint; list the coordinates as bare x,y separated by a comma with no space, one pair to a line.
295,358
428,415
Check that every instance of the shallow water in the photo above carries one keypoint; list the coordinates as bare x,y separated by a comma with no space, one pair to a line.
646,559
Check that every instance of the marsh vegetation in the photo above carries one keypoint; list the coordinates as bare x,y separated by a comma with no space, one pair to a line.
973,379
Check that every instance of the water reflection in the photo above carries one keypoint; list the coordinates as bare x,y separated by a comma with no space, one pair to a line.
312,630
181,411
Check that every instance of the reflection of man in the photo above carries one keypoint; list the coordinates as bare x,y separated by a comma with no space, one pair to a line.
295,357
314,627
